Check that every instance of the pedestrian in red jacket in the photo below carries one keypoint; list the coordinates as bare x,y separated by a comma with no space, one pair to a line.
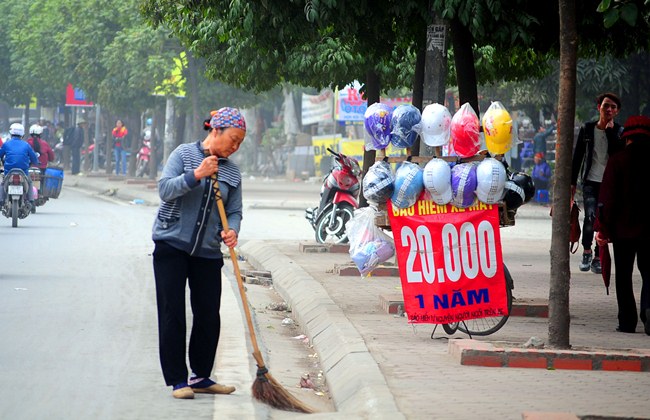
41,147
623,220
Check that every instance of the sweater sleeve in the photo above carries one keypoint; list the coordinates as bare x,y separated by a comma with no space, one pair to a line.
175,181
234,208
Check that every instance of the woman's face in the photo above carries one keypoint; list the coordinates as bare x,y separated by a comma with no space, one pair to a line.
225,142
118,123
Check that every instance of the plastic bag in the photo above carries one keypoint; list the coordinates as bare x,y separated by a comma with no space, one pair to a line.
465,139
497,126
369,246
377,121
406,125
378,183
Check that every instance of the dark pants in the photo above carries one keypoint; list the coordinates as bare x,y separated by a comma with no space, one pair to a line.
172,268
590,202
76,160
624,253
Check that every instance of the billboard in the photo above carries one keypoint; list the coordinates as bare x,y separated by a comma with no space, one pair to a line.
75,97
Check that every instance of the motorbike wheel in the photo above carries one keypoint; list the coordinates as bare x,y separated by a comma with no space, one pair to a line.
142,168
14,213
336,234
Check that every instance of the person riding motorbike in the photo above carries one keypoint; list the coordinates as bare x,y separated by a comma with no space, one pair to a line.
16,153
41,147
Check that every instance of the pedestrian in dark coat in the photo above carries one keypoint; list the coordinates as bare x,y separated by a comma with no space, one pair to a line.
76,143
623,220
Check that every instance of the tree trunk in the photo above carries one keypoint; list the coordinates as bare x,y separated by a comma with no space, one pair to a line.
291,126
373,89
136,138
154,144
418,89
558,299
634,98
435,69
98,136
461,40
195,130
180,130
109,160
169,141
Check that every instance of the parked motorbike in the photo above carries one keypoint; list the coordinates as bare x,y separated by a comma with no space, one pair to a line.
90,152
142,165
339,194
16,204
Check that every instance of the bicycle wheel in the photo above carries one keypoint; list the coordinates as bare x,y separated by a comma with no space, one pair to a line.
492,324
450,329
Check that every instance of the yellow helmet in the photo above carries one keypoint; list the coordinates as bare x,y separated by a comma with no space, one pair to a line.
497,126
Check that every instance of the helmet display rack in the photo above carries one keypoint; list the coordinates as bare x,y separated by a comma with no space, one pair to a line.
506,216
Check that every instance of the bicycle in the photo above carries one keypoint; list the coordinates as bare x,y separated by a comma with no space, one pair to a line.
483,326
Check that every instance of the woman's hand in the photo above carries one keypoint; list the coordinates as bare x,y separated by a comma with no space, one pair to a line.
208,167
601,240
229,238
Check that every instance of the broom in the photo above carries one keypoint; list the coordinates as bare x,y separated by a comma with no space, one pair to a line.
265,388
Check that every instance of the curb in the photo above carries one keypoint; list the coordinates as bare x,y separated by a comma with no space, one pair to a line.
480,353
355,381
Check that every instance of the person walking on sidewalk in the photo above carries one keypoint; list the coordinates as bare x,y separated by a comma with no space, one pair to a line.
187,234
597,141
120,147
623,220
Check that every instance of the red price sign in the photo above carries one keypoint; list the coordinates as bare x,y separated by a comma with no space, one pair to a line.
450,261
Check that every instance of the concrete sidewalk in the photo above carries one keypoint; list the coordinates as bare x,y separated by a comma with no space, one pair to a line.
355,336
379,366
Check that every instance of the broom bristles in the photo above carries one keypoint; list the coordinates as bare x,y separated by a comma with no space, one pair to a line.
269,391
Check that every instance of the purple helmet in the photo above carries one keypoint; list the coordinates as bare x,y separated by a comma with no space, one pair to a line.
377,122
463,184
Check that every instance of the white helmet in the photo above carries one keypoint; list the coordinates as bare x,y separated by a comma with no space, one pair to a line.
490,181
437,180
36,129
17,129
436,125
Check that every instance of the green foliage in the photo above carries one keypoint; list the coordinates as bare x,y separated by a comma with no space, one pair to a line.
273,137
626,10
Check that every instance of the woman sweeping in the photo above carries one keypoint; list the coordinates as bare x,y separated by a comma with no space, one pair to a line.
187,234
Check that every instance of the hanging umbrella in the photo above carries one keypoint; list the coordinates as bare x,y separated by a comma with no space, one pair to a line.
605,264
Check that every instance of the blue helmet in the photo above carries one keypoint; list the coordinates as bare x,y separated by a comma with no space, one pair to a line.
408,185
406,125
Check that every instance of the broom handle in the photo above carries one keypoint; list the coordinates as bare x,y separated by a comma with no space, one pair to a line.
233,257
